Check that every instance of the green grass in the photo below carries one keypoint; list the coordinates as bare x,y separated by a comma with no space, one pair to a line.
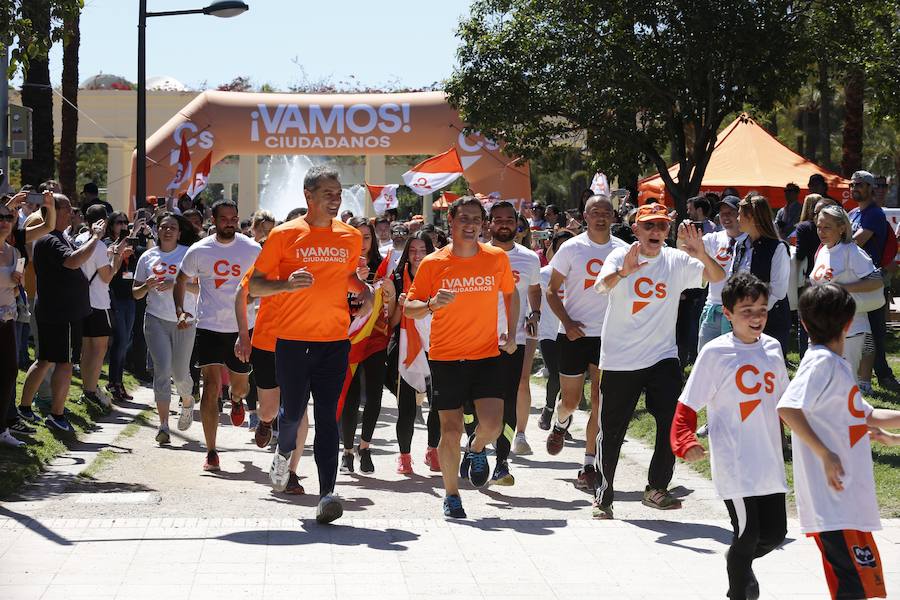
886,461
20,465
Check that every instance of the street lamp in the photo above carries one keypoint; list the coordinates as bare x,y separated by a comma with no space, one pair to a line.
223,9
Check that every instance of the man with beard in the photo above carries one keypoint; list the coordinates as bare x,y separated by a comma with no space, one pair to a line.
219,262
575,266
311,263
526,271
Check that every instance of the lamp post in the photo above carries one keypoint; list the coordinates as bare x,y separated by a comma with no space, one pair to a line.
223,9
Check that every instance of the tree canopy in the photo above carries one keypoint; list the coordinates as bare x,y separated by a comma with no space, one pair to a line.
626,79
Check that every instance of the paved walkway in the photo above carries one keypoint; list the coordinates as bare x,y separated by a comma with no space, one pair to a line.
151,524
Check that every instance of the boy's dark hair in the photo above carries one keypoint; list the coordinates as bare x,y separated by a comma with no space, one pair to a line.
219,204
825,310
466,201
296,212
742,286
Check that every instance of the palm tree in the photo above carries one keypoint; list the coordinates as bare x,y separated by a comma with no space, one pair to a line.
69,134
38,95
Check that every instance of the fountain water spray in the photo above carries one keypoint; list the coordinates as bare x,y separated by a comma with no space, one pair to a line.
281,185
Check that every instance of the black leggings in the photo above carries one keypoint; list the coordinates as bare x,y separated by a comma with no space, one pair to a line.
620,391
550,354
406,419
375,369
760,524
9,368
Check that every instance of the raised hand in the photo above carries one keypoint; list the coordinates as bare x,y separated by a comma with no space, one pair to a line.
691,239
632,260
300,279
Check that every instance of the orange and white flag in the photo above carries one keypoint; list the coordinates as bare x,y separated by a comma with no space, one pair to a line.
183,170
201,177
414,336
432,174
383,196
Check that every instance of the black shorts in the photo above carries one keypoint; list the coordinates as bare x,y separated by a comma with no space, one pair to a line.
263,362
456,383
217,348
59,342
98,323
575,357
511,373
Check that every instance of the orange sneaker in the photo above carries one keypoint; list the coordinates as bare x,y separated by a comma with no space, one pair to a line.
432,460
404,464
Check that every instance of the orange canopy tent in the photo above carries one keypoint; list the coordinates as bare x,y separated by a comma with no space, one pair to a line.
749,158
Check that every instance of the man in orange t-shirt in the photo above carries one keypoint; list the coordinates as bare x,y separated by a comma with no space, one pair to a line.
459,284
311,262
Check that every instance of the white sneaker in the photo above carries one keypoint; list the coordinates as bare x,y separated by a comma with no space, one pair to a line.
521,446
279,471
105,400
186,416
7,439
329,509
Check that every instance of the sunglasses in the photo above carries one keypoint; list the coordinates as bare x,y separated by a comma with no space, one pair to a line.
858,184
121,222
651,225
7,218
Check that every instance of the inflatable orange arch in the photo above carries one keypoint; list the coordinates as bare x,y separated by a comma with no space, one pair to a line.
227,123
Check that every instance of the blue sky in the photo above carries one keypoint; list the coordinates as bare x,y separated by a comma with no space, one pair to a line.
405,41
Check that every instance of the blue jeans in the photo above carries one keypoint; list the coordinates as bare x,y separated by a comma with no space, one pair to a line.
712,324
318,368
123,315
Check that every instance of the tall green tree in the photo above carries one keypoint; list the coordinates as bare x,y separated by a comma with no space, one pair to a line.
68,139
625,79
37,94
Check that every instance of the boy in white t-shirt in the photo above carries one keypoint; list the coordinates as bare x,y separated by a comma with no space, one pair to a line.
739,377
830,424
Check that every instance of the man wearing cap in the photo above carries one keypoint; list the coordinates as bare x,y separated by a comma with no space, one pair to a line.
870,229
788,216
639,353
90,195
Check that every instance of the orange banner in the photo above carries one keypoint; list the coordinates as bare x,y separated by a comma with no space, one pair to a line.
226,123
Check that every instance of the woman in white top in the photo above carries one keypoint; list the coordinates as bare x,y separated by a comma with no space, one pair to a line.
169,346
841,261
10,278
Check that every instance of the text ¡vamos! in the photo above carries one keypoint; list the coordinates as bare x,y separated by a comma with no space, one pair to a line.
358,119
327,254
476,283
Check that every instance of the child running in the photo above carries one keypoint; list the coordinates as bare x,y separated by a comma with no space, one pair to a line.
830,424
739,377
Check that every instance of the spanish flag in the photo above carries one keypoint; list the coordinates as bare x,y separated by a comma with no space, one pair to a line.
361,329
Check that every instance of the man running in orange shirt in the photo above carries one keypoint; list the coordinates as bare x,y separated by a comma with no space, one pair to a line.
459,284
312,262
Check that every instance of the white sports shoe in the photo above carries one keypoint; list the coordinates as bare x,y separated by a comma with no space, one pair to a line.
329,509
105,400
186,416
7,439
279,472
521,446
